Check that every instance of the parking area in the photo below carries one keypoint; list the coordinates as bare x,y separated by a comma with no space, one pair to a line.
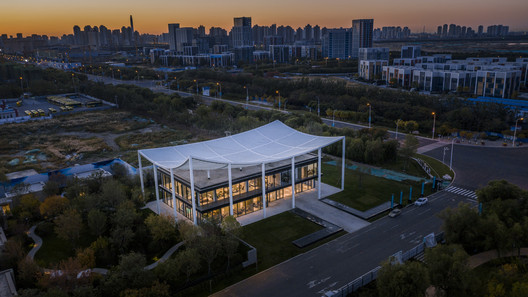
52,104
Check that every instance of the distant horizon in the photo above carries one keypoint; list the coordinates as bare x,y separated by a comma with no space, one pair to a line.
56,17
228,28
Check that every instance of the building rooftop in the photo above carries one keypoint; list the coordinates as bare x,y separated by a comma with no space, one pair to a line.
266,144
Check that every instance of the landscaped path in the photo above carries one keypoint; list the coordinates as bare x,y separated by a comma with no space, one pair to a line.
36,239
39,242
484,257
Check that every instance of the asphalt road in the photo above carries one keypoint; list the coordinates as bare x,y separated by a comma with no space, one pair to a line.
475,166
338,262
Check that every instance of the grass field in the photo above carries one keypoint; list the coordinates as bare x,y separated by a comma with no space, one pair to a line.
54,249
364,191
438,167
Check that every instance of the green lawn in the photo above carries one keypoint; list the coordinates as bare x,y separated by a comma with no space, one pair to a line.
273,237
54,249
411,167
440,168
364,191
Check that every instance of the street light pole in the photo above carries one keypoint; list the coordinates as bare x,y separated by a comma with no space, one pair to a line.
434,122
451,159
279,97
318,110
333,118
397,124
247,96
370,112
196,86
515,131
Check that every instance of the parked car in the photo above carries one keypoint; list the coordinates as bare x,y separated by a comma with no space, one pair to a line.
395,212
420,201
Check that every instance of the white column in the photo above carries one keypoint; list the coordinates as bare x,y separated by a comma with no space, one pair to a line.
293,181
230,189
319,173
264,188
156,186
343,166
193,196
141,175
173,196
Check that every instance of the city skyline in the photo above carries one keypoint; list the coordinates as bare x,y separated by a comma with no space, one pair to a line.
55,19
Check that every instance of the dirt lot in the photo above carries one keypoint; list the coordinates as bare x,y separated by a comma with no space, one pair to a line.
79,138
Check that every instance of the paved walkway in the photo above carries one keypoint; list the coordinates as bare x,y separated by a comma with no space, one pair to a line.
308,202
369,213
311,204
430,147
329,229
36,239
484,257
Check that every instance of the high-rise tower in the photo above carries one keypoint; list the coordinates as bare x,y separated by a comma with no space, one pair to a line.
132,24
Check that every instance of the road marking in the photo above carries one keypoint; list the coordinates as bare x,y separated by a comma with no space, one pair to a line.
424,211
462,192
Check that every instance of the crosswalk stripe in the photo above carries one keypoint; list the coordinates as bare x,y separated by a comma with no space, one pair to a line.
462,192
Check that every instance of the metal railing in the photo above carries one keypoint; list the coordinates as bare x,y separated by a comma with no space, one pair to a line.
368,277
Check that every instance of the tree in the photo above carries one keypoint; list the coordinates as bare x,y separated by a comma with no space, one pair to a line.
96,222
409,148
53,206
209,244
231,225
86,257
162,227
125,215
28,273
411,126
68,226
449,271
157,289
121,238
189,260
402,280
112,193
27,208
51,188
188,232
463,226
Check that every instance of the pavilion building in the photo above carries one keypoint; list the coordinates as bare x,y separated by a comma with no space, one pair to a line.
221,177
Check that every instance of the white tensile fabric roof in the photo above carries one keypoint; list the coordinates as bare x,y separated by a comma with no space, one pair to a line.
269,143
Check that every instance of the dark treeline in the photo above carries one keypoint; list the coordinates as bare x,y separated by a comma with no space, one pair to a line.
349,102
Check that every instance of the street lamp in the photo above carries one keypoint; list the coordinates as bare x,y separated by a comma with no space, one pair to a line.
451,159
247,96
21,85
318,110
515,131
279,97
434,122
370,112
333,118
220,85
196,86
443,156
397,124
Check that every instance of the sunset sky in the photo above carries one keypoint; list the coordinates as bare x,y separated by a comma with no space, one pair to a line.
56,17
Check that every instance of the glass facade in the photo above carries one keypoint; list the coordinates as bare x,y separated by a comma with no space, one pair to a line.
247,194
